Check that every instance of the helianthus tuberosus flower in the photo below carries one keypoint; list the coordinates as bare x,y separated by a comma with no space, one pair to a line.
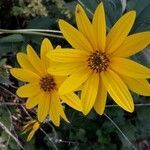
99,61
31,126
42,88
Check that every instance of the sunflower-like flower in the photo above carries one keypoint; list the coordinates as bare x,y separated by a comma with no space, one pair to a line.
31,126
42,88
99,61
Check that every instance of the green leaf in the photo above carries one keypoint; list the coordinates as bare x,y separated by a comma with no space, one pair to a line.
41,23
142,8
12,38
113,10
138,5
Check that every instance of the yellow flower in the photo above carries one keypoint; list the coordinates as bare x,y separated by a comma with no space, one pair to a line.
42,87
31,126
99,62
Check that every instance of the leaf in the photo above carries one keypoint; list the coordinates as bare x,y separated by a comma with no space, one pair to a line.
138,5
142,8
143,57
16,38
41,23
113,10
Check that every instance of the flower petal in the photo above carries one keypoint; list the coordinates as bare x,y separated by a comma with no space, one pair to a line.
46,47
24,75
99,25
133,44
56,109
89,93
24,62
119,31
139,86
129,68
53,111
67,55
74,81
118,90
34,129
28,90
85,26
32,101
35,60
63,69
101,98
74,37
43,106
72,100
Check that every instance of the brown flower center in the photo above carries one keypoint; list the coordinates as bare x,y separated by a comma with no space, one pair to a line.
98,62
47,83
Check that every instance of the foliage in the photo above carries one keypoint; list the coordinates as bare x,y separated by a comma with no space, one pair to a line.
92,132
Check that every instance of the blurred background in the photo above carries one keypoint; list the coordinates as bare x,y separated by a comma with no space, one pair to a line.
116,130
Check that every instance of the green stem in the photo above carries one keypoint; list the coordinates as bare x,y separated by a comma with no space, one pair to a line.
4,31
38,30
117,127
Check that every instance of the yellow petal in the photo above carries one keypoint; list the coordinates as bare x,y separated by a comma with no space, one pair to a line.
28,90
89,93
67,55
46,47
54,114
72,100
24,75
133,44
61,110
101,98
43,106
85,26
35,128
58,47
119,31
118,90
32,101
58,80
56,109
99,25
74,37
139,86
129,68
74,81
35,60
30,136
63,69
24,62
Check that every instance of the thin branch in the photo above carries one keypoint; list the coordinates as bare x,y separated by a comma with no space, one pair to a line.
3,31
11,104
8,91
117,127
107,106
137,105
39,30
88,10
11,135
49,138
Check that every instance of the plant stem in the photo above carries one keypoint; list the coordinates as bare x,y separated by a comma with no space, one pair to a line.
4,31
120,131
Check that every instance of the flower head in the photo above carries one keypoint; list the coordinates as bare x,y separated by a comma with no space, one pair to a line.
31,126
42,88
99,61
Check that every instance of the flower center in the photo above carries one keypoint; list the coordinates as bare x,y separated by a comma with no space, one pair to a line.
98,62
47,83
